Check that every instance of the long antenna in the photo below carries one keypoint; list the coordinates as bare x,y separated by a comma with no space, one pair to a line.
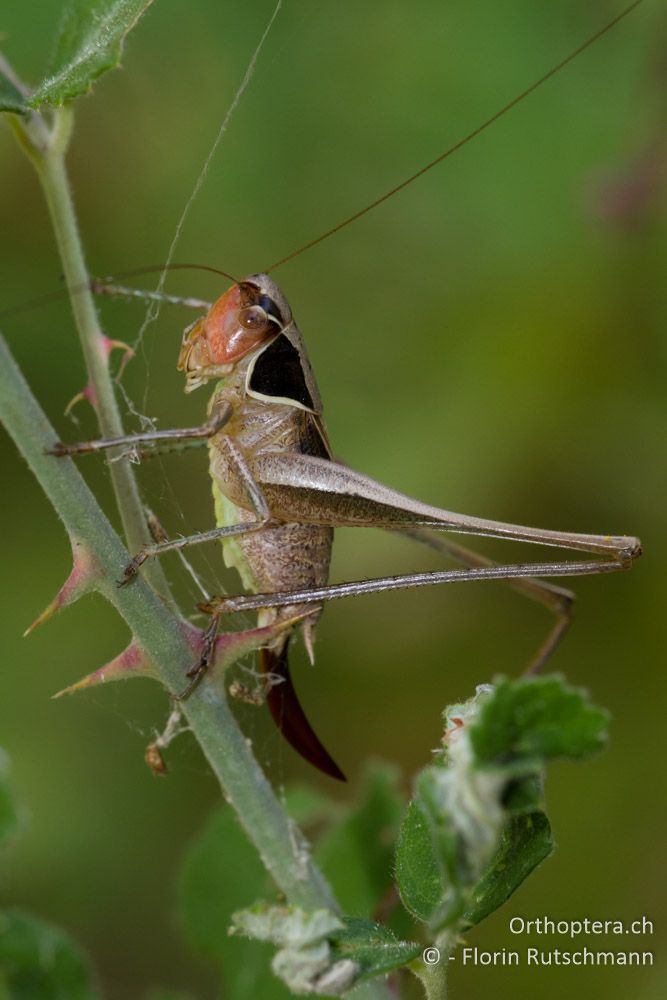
133,272
461,142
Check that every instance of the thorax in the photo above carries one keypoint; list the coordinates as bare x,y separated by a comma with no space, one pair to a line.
258,426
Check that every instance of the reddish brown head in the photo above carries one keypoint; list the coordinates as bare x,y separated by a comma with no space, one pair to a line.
252,321
242,320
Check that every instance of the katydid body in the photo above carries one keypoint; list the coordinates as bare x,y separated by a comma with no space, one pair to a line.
279,494
270,419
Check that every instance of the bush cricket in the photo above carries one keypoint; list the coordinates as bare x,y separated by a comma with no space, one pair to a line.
279,493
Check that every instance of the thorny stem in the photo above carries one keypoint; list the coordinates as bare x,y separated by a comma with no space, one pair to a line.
46,148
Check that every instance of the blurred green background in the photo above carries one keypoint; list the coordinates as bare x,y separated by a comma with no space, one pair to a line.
491,341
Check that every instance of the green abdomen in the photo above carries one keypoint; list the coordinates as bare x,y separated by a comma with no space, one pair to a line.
226,514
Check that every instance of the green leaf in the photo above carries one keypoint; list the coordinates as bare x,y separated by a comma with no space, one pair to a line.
89,43
221,874
11,99
373,948
357,853
38,960
536,719
483,795
525,842
420,873
449,834
10,818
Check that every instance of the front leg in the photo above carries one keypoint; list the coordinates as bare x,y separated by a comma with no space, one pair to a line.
214,424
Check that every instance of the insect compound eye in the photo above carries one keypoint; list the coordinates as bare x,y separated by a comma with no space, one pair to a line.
253,318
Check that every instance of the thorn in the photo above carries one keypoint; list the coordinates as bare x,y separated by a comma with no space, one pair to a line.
88,394
212,650
83,579
231,646
109,345
132,662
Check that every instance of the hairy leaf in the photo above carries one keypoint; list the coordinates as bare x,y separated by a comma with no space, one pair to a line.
420,867
474,829
537,718
525,842
373,948
89,43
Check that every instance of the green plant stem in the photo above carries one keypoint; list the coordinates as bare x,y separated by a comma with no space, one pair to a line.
434,977
434,980
46,149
